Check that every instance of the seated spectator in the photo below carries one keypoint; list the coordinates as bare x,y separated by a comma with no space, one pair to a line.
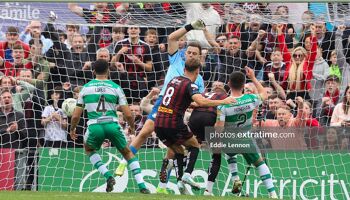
329,99
12,124
9,68
6,47
299,66
332,142
71,29
33,31
55,122
341,112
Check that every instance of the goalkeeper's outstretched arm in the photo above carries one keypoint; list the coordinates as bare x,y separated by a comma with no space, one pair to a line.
176,35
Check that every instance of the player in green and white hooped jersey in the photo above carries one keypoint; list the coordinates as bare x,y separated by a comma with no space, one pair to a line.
100,97
240,114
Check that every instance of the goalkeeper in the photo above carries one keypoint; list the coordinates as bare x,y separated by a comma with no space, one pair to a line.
176,68
100,98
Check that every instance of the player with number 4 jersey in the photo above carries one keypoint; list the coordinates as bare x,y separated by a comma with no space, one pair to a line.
100,97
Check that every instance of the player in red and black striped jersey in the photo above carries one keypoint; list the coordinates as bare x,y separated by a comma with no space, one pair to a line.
169,125
202,117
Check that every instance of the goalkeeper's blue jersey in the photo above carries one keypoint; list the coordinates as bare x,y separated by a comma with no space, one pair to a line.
176,68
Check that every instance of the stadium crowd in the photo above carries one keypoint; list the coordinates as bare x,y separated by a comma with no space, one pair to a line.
41,66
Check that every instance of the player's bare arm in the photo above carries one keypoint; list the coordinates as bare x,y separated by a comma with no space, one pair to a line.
128,117
78,111
204,102
261,90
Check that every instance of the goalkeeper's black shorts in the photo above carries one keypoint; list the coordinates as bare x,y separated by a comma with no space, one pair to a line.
198,121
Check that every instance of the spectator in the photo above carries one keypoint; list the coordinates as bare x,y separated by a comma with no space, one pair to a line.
330,99
235,19
71,29
118,34
160,60
299,66
54,122
342,62
33,31
274,103
39,66
136,112
221,39
307,18
276,66
9,68
320,73
6,47
135,55
334,68
12,125
312,133
20,90
285,119
80,62
325,39
331,142
210,17
341,112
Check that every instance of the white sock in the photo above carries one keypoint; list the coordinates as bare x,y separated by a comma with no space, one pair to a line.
134,166
266,178
96,161
162,185
232,166
210,185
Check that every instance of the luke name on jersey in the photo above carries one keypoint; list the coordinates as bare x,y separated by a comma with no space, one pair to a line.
239,114
101,98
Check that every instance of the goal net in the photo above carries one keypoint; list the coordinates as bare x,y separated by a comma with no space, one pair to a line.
37,75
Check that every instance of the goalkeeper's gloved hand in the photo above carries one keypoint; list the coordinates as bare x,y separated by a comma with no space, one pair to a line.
198,24
195,25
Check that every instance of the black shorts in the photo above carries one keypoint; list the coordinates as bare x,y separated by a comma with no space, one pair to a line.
171,136
198,121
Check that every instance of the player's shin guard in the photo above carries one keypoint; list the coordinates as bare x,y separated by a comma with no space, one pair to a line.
96,161
179,164
266,178
192,158
213,171
134,166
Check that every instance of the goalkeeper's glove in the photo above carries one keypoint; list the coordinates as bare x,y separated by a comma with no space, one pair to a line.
195,25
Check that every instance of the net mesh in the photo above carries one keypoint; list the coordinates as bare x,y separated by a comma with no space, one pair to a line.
38,155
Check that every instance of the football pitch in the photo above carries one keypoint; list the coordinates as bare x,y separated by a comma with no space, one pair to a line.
29,195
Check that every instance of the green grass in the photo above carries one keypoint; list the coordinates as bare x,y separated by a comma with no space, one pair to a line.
28,195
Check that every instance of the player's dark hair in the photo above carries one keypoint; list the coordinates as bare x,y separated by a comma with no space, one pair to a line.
100,66
237,80
195,44
192,64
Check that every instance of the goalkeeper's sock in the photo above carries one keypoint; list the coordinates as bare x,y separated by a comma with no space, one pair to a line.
232,166
192,158
265,176
96,161
134,166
